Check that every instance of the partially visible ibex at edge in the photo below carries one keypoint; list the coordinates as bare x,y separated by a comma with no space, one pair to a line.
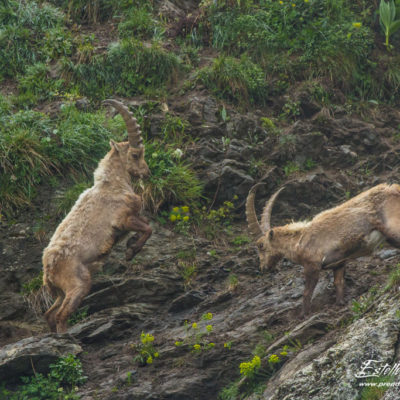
347,231
102,215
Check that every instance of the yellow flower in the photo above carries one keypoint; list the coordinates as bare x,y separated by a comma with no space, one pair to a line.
172,217
175,209
186,218
209,328
293,5
179,216
185,209
197,347
149,360
357,25
209,316
280,2
284,353
178,343
211,344
273,359
156,355
306,1
194,325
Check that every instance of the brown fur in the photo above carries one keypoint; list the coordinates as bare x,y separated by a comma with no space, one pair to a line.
102,215
347,231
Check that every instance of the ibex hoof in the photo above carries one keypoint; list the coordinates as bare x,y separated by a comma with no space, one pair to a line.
131,252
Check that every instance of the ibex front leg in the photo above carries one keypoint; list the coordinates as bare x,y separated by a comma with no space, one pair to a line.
311,275
134,245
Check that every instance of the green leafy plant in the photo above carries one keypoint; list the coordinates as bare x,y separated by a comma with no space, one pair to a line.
33,285
78,316
387,19
61,383
197,335
237,80
145,349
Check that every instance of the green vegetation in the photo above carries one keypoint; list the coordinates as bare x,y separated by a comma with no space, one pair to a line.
33,285
387,19
197,335
376,387
61,383
238,80
146,352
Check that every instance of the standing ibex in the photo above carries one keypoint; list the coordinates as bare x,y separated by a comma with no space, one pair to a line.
102,215
347,231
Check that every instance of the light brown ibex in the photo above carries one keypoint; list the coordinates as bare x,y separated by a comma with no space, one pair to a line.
102,216
347,231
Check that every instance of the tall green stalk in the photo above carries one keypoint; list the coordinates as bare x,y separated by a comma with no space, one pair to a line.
387,15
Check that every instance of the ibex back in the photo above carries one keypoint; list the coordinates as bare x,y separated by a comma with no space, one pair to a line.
347,231
102,215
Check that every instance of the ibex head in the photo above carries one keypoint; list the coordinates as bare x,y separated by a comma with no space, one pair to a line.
131,152
262,233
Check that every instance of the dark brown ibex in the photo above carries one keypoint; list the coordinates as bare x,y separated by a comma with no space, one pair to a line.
347,231
102,215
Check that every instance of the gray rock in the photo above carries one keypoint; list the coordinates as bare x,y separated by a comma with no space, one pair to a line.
18,359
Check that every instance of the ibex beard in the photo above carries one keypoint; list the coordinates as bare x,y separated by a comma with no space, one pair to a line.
350,230
102,216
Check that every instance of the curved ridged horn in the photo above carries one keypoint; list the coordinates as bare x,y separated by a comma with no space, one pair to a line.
133,128
266,215
252,221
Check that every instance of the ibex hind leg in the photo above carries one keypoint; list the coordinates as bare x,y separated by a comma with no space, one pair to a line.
50,314
78,287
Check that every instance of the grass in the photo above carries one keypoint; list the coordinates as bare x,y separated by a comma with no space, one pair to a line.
238,80
32,147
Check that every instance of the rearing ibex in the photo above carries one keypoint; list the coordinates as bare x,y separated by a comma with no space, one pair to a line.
102,215
347,231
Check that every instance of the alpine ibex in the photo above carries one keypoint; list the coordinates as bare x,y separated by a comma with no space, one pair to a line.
102,216
347,231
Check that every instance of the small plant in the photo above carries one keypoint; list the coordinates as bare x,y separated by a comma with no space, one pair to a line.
387,15
232,282
240,241
33,285
61,383
197,335
250,368
180,217
394,279
291,168
145,349
78,316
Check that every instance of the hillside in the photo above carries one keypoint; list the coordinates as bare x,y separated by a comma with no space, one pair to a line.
228,93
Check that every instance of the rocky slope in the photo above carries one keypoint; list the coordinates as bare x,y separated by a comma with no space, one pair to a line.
150,295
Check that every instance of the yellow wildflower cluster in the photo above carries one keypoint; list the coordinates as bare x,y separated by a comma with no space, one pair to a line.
209,328
273,359
248,368
180,214
207,316
357,25
146,338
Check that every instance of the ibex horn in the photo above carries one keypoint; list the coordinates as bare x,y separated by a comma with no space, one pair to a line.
133,128
266,215
252,221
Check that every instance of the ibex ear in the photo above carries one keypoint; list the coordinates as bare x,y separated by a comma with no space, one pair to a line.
271,234
114,145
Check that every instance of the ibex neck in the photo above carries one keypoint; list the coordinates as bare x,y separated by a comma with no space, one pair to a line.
287,237
112,172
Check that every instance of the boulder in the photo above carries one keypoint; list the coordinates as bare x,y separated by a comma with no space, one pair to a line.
34,354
